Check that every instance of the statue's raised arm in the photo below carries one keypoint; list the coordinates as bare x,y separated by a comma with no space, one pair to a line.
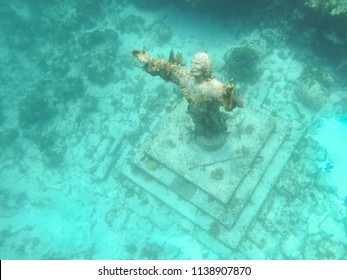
168,70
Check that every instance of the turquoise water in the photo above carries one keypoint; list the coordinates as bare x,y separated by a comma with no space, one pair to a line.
75,107
333,136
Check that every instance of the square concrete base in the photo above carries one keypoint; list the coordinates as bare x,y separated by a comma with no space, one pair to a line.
218,173
219,191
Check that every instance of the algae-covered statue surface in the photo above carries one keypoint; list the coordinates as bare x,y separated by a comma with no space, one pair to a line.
204,93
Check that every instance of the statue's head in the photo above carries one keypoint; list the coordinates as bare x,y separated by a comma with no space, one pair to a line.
201,67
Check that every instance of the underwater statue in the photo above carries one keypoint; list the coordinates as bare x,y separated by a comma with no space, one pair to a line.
204,93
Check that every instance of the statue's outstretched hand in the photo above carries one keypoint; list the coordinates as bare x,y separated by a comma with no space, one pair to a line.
141,55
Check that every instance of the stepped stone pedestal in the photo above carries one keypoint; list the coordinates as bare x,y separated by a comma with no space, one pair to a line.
219,192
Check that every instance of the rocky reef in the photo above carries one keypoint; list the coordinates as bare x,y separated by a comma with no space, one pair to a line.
331,7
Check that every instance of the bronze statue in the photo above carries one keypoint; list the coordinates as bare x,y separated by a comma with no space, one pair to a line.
204,93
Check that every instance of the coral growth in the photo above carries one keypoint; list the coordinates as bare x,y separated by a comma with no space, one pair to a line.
151,251
312,95
217,174
313,86
241,63
35,110
151,164
214,229
53,148
71,89
98,53
332,7
160,32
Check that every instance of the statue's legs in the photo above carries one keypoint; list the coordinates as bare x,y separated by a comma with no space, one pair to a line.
210,130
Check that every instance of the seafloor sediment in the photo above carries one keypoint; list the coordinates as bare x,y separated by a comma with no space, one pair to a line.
75,108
